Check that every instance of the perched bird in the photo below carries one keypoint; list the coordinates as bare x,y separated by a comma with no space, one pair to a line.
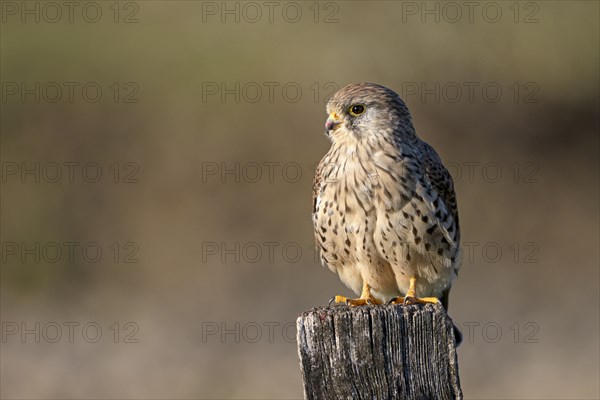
384,208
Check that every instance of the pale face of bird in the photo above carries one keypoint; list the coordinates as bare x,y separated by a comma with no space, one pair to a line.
366,113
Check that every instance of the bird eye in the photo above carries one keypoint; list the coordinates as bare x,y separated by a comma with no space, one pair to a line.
356,110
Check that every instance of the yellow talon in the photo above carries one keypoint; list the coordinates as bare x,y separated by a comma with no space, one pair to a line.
365,298
411,296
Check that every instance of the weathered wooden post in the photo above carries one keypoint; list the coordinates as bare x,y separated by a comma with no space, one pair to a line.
378,352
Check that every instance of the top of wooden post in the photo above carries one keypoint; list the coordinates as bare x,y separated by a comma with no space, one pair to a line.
382,352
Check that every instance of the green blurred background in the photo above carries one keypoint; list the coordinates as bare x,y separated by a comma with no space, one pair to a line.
225,260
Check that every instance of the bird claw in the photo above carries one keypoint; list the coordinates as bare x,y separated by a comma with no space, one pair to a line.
394,300
354,302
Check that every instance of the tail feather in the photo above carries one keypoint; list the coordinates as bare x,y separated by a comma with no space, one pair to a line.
457,333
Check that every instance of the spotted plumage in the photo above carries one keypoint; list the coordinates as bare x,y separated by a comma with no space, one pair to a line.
384,207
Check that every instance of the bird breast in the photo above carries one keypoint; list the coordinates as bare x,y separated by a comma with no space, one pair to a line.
347,206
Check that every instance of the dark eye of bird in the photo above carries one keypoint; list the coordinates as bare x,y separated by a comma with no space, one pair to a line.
358,109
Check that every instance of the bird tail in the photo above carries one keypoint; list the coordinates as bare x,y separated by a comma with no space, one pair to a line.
458,336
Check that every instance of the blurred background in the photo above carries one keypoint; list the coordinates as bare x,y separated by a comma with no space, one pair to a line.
157,163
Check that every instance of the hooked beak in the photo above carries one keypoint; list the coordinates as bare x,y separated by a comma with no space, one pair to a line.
332,122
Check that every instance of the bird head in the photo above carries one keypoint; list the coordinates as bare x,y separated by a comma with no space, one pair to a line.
367,111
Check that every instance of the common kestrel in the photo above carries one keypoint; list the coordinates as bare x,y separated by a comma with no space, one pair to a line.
384,208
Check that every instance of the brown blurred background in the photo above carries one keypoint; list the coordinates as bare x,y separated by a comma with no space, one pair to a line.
206,134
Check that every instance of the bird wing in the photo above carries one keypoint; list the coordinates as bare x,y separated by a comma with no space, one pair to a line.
437,190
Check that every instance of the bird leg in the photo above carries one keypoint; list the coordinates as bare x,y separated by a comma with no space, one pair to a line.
411,296
365,298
